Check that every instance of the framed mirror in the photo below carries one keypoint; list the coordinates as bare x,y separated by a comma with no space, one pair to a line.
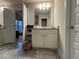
44,15
41,14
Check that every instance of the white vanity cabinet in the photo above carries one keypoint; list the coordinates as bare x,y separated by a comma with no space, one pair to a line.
44,38
1,37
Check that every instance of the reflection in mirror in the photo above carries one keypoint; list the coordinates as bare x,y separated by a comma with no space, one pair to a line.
44,22
44,15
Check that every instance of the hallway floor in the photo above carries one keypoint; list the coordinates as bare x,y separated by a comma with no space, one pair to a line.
10,52
41,54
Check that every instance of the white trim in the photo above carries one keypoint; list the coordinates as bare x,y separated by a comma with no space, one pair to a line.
60,54
67,28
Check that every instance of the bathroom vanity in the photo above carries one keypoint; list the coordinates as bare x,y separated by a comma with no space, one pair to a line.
44,35
44,38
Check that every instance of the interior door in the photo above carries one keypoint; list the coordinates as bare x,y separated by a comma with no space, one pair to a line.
74,45
9,23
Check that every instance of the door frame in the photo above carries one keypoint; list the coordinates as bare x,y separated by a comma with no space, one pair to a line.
72,23
67,28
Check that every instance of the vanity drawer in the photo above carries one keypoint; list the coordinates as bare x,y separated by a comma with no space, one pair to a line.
36,35
44,31
35,31
51,35
53,31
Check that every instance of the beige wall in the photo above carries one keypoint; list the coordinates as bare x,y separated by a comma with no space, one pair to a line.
52,16
59,20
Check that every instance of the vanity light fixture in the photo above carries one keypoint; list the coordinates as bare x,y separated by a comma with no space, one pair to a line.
1,8
44,6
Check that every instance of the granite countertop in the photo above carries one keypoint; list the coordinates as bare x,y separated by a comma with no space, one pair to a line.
45,28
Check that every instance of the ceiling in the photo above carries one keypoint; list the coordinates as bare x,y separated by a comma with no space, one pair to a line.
5,2
37,1
8,2
17,4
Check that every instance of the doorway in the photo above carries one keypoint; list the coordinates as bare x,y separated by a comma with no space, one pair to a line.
19,25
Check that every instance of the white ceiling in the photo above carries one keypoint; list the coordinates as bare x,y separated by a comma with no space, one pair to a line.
18,3
7,2
4,2
33,1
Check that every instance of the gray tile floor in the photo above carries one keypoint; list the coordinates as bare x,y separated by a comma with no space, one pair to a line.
41,54
10,52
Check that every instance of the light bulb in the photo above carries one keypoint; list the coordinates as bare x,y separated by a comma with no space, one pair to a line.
43,6
48,5
40,8
2,8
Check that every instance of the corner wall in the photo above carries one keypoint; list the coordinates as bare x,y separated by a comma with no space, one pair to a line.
31,15
59,20
24,20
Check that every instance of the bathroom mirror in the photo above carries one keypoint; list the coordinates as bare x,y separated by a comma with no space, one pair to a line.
44,15
41,14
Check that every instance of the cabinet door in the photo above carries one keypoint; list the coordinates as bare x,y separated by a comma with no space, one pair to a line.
37,41
1,37
51,41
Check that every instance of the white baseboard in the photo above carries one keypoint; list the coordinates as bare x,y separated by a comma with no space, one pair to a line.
61,55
